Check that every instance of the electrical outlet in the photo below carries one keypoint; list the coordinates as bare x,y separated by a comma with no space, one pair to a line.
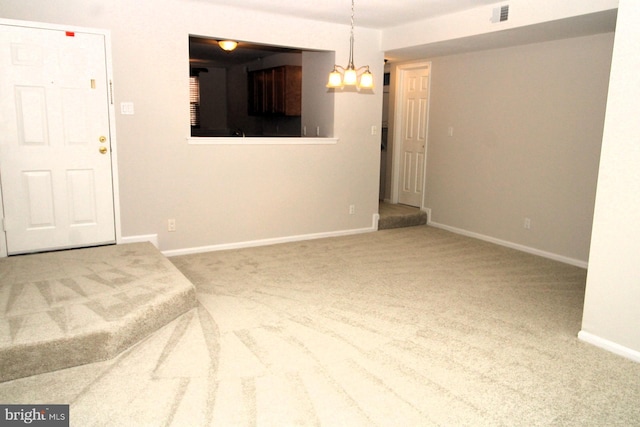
527,223
171,225
352,209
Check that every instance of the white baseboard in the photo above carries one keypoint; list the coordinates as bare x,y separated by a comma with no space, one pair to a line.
428,212
611,346
266,242
3,246
153,238
523,248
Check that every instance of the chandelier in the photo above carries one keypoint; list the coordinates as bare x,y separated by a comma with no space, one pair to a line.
348,76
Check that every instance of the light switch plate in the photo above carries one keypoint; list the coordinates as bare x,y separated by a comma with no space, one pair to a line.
126,108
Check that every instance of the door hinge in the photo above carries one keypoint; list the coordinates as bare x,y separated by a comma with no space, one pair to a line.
111,91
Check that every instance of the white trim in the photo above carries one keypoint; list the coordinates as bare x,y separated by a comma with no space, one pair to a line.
115,177
152,238
265,242
111,108
3,234
519,247
428,212
48,26
396,142
611,346
260,141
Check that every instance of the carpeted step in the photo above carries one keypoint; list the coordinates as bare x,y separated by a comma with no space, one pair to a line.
68,308
402,220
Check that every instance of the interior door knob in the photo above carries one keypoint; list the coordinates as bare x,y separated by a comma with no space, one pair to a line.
103,150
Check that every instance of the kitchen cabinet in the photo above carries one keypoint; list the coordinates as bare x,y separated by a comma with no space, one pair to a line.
276,91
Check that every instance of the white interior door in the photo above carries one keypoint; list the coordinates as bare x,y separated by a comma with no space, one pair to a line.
414,97
55,153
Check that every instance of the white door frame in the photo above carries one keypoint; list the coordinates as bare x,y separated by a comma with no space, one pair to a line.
112,116
397,129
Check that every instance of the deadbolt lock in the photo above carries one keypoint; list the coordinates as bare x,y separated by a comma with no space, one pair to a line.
103,139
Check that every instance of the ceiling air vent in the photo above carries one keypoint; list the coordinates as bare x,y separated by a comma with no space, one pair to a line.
500,14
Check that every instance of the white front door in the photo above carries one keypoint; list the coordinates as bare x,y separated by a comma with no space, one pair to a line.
413,135
55,151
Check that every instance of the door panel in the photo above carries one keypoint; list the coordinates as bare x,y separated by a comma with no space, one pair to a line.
31,115
415,95
40,213
56,182
82,197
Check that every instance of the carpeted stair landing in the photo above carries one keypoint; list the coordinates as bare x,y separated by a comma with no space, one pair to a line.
69,308
398,216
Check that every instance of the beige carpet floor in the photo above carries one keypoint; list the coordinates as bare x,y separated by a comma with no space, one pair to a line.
68,308
403,327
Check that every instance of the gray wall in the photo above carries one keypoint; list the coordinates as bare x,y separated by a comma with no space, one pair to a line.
611,315
224,194
527,128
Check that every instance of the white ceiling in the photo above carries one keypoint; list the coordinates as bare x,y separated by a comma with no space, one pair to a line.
382,14
578,26
368,13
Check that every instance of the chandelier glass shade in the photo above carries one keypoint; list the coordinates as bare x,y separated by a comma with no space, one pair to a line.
341,76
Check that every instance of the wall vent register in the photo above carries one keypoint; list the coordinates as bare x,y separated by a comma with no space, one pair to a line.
500,14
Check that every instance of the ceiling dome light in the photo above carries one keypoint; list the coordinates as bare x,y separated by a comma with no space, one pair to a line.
228,45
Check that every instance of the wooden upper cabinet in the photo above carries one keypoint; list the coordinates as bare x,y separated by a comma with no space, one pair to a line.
276,91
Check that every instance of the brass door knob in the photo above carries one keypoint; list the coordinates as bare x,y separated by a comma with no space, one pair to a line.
102,139
103,150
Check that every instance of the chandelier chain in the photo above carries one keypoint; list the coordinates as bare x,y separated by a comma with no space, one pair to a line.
350,75
352,14
350,65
